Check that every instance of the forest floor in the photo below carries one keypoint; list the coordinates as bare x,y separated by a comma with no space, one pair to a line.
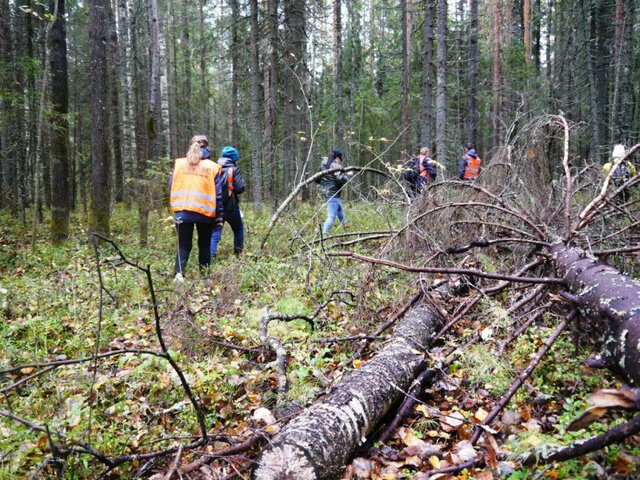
57,309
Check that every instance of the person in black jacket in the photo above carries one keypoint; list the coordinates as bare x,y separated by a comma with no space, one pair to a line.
331,186
232,187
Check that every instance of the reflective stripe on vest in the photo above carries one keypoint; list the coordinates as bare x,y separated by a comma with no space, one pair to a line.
193,188
230,182
472,169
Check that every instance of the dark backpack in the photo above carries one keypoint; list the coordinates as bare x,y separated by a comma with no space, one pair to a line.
621,174
324,165
412,170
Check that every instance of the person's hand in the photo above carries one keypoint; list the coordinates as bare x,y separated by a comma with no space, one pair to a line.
217,223
350,174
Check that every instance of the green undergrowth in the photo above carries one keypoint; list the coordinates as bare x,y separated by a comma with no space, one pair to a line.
52,308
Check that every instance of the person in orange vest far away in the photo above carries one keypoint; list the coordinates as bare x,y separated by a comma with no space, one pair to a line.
232,187
469,167
196,201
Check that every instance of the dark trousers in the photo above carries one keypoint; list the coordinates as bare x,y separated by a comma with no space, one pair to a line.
185,241
233,218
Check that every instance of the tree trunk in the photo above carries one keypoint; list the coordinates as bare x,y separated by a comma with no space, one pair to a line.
596,136
60,130
406,48
271,97
204,94
426,131
441,84
473,74
256,139
610,300
322,439
337,60
7,160
100,151
187,130
116,109
496,82
235,72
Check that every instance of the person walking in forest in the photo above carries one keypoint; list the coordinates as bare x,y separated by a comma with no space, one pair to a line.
330,187
623,172
419,171
232,187
196,201
469,167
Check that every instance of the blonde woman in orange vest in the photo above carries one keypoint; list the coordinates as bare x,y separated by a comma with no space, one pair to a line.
196,201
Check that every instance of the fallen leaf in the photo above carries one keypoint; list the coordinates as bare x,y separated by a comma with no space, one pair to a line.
612,398
434,461
586,418
481,414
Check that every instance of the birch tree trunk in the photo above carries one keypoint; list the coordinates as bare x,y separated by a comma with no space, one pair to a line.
426,131
60,131
319,442
610,300
235,73
441,84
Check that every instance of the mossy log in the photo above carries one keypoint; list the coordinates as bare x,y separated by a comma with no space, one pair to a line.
609,299
319,442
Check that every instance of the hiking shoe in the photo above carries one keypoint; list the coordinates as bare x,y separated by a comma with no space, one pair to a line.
237,251
178,278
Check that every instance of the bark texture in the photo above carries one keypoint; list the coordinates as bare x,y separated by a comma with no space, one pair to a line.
609,298
321,440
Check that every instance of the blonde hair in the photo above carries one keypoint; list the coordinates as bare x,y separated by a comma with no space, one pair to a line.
194,155
424,151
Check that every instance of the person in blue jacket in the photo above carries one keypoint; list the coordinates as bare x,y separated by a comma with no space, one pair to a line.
232,187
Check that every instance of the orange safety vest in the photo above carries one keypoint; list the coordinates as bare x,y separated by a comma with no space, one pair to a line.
472,169
424,173
193,187
230,182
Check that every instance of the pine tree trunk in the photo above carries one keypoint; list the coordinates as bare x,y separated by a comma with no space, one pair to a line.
441,84
60,130
426,131
473,74
337,60
596,137
235,73
8,161
271,98
100,151
116,109
406,48
256,138
319,442
496,65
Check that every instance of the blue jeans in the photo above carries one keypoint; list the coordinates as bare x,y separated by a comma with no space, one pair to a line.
185,241
334,209
233,218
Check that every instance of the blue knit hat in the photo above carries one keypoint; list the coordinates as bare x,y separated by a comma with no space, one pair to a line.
230,153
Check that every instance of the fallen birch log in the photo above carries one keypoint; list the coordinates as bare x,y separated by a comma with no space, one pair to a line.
323,438
609,299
